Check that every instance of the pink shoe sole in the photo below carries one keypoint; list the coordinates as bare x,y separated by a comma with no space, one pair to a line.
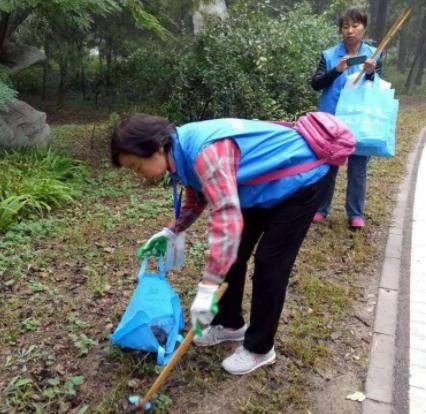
357,223
318,218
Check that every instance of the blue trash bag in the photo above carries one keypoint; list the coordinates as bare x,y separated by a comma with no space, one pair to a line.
371,114
154,316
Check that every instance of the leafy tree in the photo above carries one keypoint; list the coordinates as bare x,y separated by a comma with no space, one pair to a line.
66,23
250,65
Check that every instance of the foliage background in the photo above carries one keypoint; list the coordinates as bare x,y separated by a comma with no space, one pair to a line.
144,55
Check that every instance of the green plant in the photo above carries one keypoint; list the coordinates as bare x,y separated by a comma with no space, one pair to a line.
71,383
19,388
30,324
162,402
35,181
6,92
113,120
250,65
82,342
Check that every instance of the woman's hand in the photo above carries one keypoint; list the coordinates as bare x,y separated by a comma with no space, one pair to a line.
343,64
370,66
204,306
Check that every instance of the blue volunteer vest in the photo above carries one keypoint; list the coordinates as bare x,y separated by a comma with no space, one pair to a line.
263,146
330,96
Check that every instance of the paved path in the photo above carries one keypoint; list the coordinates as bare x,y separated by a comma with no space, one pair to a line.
417,365
396,379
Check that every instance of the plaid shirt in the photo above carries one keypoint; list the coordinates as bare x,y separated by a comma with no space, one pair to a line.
216,167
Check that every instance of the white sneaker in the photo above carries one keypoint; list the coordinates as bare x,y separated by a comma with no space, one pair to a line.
242,361
216,334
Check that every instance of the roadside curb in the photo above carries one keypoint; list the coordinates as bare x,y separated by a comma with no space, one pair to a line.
380,376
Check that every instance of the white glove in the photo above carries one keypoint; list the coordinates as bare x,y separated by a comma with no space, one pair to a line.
166,232
203,306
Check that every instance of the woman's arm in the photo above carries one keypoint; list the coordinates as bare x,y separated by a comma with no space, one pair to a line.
193,206
322,78
216,167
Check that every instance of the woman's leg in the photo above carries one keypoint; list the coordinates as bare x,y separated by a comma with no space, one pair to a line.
325,206
230,307
276,253
357,186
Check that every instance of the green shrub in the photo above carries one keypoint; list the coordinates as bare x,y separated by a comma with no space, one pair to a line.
34,181
29,80
146,75
250,65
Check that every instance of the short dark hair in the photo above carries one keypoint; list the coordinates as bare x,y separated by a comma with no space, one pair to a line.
141,135
355,15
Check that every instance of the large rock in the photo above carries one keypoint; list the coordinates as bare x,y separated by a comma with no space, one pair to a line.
23,126
17,56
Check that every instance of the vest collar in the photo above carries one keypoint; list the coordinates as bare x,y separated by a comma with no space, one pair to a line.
341,49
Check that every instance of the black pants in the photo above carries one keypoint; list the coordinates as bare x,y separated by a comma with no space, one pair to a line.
280,232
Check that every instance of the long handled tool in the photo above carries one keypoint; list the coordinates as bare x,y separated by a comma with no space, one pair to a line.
144,404
388,37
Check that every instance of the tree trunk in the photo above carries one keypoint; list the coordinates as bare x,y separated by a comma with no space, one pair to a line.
421,67
83,86
63,71
108,65
373,17
45,67
380,20
4,20
319,6
82,71
416,70
212,8
44,80
403,50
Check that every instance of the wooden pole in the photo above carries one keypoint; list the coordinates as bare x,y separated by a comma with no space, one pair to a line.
167,370
388,37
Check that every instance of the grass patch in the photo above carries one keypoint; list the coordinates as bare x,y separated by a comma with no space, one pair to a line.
34,182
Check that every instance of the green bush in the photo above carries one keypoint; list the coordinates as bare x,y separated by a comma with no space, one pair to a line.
146,75
250,65
35,181
29,80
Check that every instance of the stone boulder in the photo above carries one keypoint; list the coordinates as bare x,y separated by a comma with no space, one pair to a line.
23,126
18,56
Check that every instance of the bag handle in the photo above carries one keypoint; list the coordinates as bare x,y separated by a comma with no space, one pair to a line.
144,265
285,172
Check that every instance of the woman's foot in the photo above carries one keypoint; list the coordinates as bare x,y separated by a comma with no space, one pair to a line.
242,362
216,334
319,217
357,222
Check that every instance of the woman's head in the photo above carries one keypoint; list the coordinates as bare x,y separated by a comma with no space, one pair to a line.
141,142
352,26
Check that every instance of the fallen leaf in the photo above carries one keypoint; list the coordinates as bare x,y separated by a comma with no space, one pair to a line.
133,383
356,396
60,369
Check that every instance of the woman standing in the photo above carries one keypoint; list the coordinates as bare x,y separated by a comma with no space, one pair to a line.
330,77
217,161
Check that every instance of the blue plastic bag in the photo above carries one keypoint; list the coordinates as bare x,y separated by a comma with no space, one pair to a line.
371,114
154,316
